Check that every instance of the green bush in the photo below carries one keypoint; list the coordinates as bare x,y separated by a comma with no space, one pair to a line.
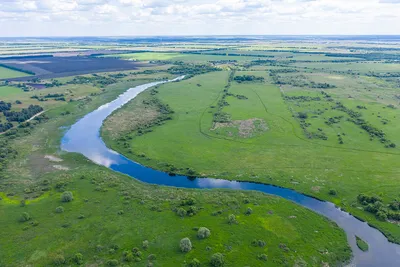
145,244
128,256
181,212
25,217
59,209
232,219
185,245
194,263
249,211
58,260
332,192
217,260
151,257
67,196
203,233
112,263
262,257
78,258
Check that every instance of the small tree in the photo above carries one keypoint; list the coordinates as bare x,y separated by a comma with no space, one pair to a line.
58,260
67,196
217,260
203,233
185,245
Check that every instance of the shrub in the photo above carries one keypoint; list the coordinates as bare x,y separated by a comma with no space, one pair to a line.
194,263
185,245
249,211
258,243
78,258
58,260
203,233
217,260
67,196
381,215
128,256
151,257
25,217
145,244
262,257
181,212
332,192
59,209
112,263
232,219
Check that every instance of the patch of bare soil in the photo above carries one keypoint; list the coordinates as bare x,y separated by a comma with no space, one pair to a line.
246,128
52,158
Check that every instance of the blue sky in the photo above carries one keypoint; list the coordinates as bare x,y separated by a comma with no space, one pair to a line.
197,17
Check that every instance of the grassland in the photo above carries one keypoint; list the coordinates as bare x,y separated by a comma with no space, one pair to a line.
111,214
6,73
285,153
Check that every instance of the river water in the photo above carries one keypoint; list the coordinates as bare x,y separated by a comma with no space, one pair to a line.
84,137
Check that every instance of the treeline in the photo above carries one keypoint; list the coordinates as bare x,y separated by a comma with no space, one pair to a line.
5,126
24,114
247,78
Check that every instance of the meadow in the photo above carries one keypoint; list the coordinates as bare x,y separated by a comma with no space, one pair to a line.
6,73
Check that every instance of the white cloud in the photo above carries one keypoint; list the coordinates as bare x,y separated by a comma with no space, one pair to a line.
154,17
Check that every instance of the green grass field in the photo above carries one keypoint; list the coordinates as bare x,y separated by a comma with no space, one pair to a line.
280,155
6,91
6,73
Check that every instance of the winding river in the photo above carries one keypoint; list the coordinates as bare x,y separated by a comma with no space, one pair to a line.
84,137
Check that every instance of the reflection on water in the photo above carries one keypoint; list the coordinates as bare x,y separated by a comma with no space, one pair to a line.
83,137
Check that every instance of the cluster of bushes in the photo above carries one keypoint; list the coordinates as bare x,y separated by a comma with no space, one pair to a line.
333,120
24,114
4,106
95,79
222,117
248,78
189,210
374,204
191,69
57,97
302,98
373,132
5,126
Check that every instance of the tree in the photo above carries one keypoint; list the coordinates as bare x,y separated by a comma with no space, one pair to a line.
217,260
203,233
185,245
78,258
59,209
67,196
194,263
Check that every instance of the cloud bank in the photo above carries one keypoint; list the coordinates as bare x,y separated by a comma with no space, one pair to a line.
197,17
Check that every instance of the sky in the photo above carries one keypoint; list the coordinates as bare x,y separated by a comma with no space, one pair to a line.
197,17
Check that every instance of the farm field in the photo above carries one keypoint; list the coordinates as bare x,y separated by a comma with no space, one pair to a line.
6,73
